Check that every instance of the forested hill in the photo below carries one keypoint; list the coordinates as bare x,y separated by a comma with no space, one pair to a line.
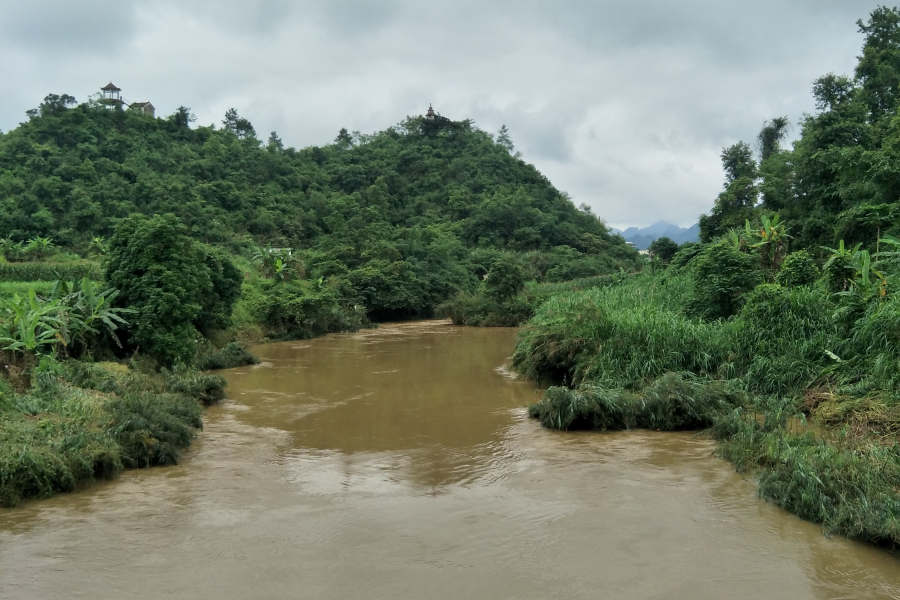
407,203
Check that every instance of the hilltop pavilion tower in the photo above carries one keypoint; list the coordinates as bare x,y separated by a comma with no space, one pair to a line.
111,96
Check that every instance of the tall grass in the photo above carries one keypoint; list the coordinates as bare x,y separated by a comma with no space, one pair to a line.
850,486
479,310
626,356
82,421
673,402
623,336
47,271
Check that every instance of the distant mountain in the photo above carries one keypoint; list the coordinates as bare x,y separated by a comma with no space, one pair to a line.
642,237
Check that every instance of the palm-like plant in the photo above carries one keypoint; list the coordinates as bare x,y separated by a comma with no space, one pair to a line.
837,268
99,245
89,311
12,250
37,247
28,325
770,238
69,317
274,263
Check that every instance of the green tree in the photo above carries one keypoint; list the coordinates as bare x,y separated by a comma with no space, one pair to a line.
722,275
878,70
217,304
162,276
505,279
664,249
735,204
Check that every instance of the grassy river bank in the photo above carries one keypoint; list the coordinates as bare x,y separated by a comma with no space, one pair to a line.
805,402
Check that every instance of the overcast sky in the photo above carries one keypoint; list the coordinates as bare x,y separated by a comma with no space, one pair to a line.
625,104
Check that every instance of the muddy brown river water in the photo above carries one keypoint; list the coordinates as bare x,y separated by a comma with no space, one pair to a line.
400,463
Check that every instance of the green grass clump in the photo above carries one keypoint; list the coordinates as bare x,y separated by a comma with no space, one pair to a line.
622,336
673,402
80,421
801,386
849,485
231,355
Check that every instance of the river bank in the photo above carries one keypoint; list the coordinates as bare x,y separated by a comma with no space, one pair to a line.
77,422
630,356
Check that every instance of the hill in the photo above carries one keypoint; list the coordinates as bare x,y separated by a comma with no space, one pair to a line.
393,215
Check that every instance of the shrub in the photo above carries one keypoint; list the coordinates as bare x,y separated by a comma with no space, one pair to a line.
798,268
722,275
305,310
232,355
785,333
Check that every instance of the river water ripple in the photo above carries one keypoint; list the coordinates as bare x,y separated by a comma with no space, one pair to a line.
400,463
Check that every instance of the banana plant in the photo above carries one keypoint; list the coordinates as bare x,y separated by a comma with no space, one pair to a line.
37,247
838,267
89,310
770,238
29,325
99,245
12,251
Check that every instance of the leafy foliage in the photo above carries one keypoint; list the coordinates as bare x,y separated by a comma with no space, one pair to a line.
173,284
722,275
798,268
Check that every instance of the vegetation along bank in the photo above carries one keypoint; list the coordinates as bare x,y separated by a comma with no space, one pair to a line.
780,332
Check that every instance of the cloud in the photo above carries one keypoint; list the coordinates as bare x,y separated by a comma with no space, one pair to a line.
624,104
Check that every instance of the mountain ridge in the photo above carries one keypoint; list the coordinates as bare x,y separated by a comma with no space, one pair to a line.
642,237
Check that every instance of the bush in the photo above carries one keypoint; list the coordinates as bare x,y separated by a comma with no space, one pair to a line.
232,355
722,275
305,310
798,268
784,334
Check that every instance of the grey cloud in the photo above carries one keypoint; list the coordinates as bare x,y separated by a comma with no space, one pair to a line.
52,27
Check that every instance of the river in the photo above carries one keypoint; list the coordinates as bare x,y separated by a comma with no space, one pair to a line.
400,463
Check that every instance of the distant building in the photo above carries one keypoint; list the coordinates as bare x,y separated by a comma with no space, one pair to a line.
145,108
110,95
430,114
